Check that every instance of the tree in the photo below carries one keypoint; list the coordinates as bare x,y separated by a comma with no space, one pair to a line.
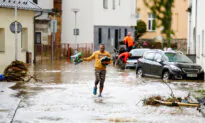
140,29
162,10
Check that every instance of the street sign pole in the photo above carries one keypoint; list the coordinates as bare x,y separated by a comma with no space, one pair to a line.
53,30
75,10
52,45
75,30
16,34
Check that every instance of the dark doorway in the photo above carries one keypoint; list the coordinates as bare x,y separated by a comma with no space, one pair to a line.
116,38
38,37
99,35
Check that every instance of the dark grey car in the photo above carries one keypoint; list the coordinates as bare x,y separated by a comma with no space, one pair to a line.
168,65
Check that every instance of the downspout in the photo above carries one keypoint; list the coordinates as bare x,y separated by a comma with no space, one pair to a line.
34,21
196,27
189,32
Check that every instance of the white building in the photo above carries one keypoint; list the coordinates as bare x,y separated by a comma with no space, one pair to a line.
44,4
98,21
42,22
196,42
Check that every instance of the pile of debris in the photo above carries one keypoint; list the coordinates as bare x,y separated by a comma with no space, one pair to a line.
171,101
16,71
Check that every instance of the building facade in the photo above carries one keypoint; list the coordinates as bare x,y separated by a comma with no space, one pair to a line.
52,9
98,21
196,30
179,20
42,28
26,13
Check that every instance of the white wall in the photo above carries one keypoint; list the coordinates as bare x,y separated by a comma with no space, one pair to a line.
85,21
191,26
122,15
91,12
46,4
200,37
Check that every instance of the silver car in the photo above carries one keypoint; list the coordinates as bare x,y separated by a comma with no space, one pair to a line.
136,54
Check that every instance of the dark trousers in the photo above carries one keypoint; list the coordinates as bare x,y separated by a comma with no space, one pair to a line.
129,49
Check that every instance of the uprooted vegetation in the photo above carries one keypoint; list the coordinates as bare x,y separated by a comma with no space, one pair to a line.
171,101
18,71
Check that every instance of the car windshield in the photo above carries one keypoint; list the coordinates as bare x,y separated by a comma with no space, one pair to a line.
138,52
176,57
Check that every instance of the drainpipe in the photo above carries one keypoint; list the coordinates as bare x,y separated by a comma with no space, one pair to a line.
34,21
190,27
196,27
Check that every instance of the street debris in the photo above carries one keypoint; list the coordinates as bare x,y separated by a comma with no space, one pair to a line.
77,58
158,100
1,77
16,71
201,92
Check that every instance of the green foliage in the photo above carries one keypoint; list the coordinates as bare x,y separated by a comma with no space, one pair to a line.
140,29
162,9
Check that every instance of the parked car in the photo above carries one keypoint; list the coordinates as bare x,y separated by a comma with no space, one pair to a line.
136,54
168,65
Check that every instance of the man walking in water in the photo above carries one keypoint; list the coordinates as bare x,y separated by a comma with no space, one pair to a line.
129,42
100,69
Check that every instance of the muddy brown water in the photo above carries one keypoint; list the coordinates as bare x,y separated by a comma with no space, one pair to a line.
65,96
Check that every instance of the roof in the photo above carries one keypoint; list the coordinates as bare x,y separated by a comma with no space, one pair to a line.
21,4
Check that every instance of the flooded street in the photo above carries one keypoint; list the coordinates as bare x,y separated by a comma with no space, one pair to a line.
65,96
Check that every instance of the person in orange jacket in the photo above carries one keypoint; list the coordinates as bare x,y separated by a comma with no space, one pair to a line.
124,56
129,42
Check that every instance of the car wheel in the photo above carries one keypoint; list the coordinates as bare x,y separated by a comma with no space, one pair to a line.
166,75
139,72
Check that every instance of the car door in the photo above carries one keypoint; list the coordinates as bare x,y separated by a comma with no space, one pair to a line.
156,67
148,59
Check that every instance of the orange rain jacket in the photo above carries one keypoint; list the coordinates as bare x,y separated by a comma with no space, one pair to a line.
128,40
124,56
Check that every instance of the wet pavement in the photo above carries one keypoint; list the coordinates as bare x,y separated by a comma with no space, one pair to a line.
65,96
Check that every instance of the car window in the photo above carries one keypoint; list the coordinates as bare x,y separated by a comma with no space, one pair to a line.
177,57
149,55
138,52
157,56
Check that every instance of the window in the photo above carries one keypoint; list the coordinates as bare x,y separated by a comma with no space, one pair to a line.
151,22
125,32
176,57
38,37
105,4
149,56
35,1
138,52
2,40
138,16
99,35
109,34
119,33
158,57
24,39
113,7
